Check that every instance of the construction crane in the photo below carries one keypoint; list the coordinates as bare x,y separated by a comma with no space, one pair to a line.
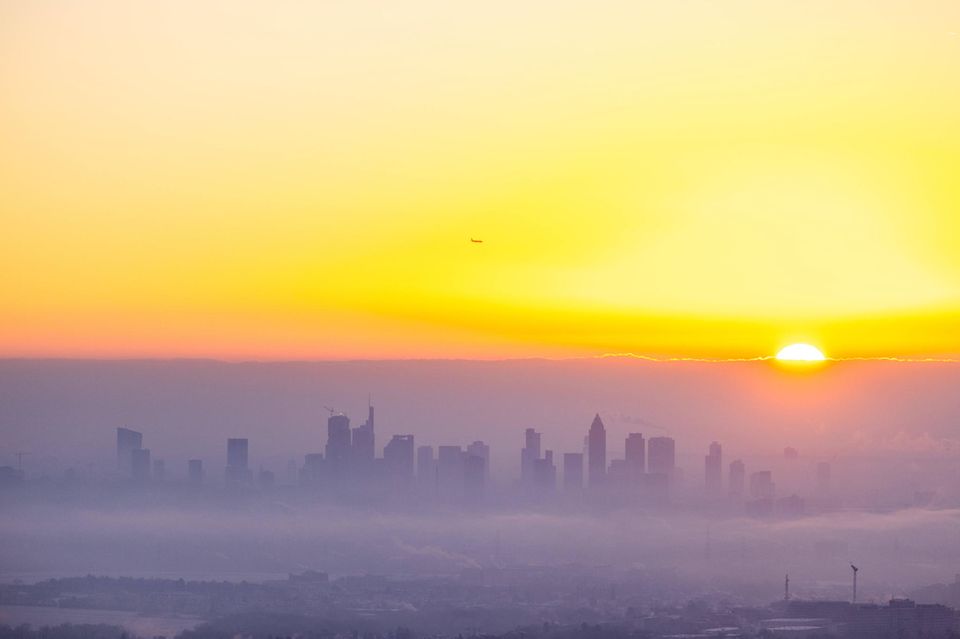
332,411
855,571
20,456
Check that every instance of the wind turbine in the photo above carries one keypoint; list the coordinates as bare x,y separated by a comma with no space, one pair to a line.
855,571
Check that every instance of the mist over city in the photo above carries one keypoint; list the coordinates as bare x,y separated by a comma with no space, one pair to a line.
449,497
419,319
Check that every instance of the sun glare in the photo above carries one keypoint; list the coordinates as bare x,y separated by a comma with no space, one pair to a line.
800,353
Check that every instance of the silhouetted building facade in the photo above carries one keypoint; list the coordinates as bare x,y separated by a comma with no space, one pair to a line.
338,450
450,472
481,450
545,473
398,458
737,478
474,477
635,456
127,441
363,443
529,456
713,469
661,455
312,472
238,470
427,470
140,464
597,452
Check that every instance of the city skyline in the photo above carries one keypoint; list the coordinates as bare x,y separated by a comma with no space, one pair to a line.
463,474
499,320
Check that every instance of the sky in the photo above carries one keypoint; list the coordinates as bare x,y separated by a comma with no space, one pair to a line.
286,180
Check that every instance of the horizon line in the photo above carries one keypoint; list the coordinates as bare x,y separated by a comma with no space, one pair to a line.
628,355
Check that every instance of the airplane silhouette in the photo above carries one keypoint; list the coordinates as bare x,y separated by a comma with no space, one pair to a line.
476,241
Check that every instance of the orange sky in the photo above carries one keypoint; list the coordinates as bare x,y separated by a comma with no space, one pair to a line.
287,180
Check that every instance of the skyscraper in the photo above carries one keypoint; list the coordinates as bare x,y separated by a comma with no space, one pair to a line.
713,469
737,478
545,473
127,441
597,451
426,469
529,455
635,455
363,442
338,449
474,476
140,464
450,472
237,450
238,470
398,458
481,450
572,471
661,455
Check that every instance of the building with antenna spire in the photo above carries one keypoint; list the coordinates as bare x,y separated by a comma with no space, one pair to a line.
597,452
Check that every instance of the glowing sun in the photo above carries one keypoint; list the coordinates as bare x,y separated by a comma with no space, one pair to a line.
800,353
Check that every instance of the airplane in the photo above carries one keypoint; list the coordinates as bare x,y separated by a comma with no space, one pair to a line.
476,241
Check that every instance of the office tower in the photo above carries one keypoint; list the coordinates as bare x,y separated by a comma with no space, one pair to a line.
481,450
474,476
237,452
791,453
545,473
713,469
737,478
661,455
761,485
635,456
363,441
140,464
159,470
338,446
127,442
572,471
195,471
398,458
237,461
823,477
450,472
529,455
426,468
597,451
312,472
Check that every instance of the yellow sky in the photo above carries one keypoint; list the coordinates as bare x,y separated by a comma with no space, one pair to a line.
295,179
